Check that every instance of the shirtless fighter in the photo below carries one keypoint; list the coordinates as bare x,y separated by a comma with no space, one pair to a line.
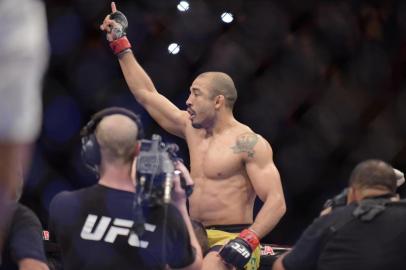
230,164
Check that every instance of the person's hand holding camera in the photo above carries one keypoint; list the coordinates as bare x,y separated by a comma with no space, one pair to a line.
179,195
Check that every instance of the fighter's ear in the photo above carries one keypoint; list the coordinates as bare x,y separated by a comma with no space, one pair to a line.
219,101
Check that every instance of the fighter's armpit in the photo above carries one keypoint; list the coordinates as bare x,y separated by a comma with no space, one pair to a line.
245,143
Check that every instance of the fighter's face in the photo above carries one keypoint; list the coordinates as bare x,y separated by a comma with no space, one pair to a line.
200,104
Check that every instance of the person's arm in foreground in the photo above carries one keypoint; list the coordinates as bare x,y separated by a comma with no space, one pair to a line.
179,200
278,263
31,264
168,116
306,252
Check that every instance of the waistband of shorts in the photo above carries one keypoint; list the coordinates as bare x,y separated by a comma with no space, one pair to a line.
231,228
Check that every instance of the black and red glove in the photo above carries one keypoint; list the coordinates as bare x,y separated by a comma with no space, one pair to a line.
238,251
117,35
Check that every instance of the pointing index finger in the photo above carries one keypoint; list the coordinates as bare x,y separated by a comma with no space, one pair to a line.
113,7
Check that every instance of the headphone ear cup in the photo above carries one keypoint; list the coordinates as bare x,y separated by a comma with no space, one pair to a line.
91,152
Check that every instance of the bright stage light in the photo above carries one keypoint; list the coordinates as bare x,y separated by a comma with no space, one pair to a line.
183,6
227,17
173,48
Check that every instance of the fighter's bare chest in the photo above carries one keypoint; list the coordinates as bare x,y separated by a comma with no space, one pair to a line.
215,158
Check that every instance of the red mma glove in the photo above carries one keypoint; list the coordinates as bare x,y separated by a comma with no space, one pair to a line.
238,251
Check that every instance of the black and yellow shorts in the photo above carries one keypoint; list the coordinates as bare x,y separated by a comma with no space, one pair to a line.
219,235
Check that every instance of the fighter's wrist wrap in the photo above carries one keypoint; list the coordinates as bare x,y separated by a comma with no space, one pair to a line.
250,237
120,45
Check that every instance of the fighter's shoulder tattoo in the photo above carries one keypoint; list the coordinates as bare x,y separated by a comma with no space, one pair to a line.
245,143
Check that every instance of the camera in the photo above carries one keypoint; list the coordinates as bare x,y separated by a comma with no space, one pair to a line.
338,200
155,170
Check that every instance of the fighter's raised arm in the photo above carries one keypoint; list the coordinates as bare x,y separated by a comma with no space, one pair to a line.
168,116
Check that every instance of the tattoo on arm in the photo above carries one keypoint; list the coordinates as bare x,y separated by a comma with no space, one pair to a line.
245,143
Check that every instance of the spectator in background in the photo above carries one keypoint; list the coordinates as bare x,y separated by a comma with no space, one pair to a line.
94,225
23,59
23,248
369,233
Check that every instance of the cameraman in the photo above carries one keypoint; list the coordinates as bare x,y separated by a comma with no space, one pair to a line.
340,199
94,225
369,233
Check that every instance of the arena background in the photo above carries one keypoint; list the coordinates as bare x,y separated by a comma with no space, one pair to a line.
323,81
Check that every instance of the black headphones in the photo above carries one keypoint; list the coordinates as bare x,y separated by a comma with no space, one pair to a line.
90,151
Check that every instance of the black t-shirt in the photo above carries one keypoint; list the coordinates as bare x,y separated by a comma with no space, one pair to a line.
93,227
24,238
340,241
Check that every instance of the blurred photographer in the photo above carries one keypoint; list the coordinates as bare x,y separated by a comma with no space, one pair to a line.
368,233
340,199
96,226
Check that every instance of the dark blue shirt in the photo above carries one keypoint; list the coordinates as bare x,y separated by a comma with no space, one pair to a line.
340,241
93,226
24,238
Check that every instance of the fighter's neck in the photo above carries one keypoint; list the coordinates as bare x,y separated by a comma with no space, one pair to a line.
221,123
117,177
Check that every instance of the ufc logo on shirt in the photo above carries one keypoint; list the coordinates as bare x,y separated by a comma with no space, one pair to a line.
117,227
